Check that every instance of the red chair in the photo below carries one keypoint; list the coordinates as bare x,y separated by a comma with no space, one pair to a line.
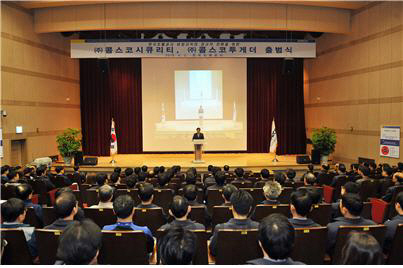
74,187
52,194
35,199
328,192
379,209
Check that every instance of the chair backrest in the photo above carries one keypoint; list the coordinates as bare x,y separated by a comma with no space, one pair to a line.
123,247
214,198
395,254
201,256
261,211
47,242
52,196
16,251
149,217
163,198
200,194
32,219
285,195
78,196
305,250
257,194
242,184
8,191
328,193
101,216
321,213
368,188
324,178
237,246
35,199
366,210
197,214
132,192
49,215
85,186
379,209
221,214
91,197
378,231
341,180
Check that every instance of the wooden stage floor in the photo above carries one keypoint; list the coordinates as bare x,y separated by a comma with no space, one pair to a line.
251,161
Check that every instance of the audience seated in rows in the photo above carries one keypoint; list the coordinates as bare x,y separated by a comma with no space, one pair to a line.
240,173
348,188
79,243
241,207
397,180
276,238
101,180
392,224
123,207
180,210
105,195
271,191
300,206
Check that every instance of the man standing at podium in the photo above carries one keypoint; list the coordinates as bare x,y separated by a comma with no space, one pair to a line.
198,135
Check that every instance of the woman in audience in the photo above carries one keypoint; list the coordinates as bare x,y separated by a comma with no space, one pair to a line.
361,248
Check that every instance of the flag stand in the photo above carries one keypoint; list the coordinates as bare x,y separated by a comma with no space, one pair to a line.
275,155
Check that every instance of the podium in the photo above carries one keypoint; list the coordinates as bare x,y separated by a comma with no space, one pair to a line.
198,144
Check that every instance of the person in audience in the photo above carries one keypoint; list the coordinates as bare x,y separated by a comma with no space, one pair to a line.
309,179
348,188
240,173
271,191
360,249
144,168
220,178
131,182
117,170
351,207
137,170
210,179
397,181
300,206
27,173
190,178
163,180
146,195
290,174
12,177
79,244
373,169
25,192
123,207
227,191
128,172
364,172
341,173
264,174
141,177
177,247
115,178
41,176
387,173
156,171
310,170
226,170
180,210
62,177
4,171
400,167
241,206
105,195
13,213
280,178
276,238
190,193
309,184
66,207
392,224
80,212
101,180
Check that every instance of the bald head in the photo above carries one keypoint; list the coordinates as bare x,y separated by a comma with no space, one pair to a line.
66,205
179,207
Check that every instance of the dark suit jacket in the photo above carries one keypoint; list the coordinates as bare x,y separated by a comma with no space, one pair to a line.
391,226
303,223
188,225
198,137
263,261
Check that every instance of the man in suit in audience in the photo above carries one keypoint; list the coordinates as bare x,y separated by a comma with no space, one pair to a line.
364,172
264,176
180,210
220,178
397,181
123,206
239,172
227,191
24,192
271,191
242,203
13,215
341,173
41,176
348,188
101,180
66,207
290,174
351,207
392,224
105,195
280,178
210,179
62,177
131,181
190,193
309,182
276,239
300,206
353,173
146,195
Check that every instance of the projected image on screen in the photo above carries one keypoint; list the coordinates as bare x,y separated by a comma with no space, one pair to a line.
198,93
188,93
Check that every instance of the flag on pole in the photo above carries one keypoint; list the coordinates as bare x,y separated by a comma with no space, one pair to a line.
273,141
114,141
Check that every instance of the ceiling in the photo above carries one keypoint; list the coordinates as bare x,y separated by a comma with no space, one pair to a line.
351,5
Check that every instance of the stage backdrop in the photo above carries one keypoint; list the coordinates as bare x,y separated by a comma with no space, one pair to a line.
116,92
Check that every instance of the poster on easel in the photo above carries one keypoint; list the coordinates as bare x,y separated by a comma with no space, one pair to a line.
390,141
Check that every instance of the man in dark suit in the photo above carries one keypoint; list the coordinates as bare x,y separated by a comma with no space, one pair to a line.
300,206
392,224
351,207
66,207
24,192
276,238
198,135
241,205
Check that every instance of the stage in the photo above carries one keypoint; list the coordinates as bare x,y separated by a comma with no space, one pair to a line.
250,161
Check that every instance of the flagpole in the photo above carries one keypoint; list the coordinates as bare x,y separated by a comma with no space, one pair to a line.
275,155
113,140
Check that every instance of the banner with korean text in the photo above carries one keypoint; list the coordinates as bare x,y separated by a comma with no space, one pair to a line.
390,141
140,48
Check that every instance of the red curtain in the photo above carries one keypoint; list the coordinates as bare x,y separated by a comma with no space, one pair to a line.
273,94
116,93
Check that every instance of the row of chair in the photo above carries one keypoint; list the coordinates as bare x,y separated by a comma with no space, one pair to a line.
233,246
